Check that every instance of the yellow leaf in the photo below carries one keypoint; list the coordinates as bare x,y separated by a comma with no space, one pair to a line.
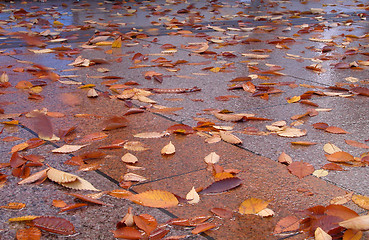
117,43
294,99
292,132
320,173
19,147
87,86
12,122
330,148
155,198
58,176
215,69
58,23
14,205
23,218
361,201
252,206
80,184
168,149
104,43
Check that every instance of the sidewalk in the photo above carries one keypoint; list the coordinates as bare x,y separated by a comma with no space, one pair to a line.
226,71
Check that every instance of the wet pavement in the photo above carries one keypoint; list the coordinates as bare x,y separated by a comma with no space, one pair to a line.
317,50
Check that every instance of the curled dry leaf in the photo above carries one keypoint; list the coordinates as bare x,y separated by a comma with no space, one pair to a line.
168,149
342,199
330,148
80,184
284,158
361,201
155,198
86,198
133,177
321,235
229,137
92,93
292,132
145,222
58,176
252,206
192,196
267,212
222,185
54,225
129,158
35,177
360,223
68,148
212,158
150,135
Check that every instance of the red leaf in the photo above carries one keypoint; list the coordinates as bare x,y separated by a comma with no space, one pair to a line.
54,225
320,125
222,185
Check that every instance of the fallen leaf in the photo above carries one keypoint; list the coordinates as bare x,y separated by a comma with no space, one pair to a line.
59,203
252,206
129,158
284,158
114,122
155,198
342,199
356,144
35,177
330,148
229,137
133,177
336,130
145,222
127,233
351,234
67,148
54,225
340,157
135,146
303,143
321,235
120,193
14,205
287,224
150,135
168,149
58,176
23,218
86,198
32,233
203,227
361,201
360,223
320,173
301,169
192,196
223,213
212,158
292,132
222,185
266,212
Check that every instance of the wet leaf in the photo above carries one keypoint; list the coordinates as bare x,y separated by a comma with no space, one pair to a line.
222,186
168,149
54,225
192,196
340,157
284,158
155,198
361,201
31,233
252,206
68,148
301,169
287,224
203,227
321,235
114,122
360,223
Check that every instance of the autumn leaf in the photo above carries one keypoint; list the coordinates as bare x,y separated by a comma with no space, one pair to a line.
212,158
54,225
133,177
301,169
360,223
203,227
192,196
155,198
330,148
284,158
168,149
252,206
35,177
321,235
135,146
336,130
229,137
32,233
356,144
86,198
150,135
127,233
58,176
14,205
67,148
222,185
114,122
145,222
129,158
361,201
287,224
340,157
292,132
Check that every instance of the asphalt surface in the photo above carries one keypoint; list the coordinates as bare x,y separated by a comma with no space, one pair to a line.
295,35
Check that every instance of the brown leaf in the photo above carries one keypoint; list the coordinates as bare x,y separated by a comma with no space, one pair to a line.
35,177
54,225
252,206
73,206
336,130
320,125
168,149
229,137
223,213
31,233
287,224
284,158
155,198
301,169
135,146
333,167
356,144
303,143
342,199
127,233
340,211
86,198
93,137
145,222
114,123
222,185
340,157
180,129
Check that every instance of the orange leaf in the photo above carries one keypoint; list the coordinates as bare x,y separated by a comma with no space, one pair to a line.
332,166
146,222
301,169
14,206
356,144
86,198
340,157
19,147
72,207
303,143
203,227
120,193
284,158
361,201
24,85
59,203
336,130
351,234
287,224
127,233
155,198
93,137
31,233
